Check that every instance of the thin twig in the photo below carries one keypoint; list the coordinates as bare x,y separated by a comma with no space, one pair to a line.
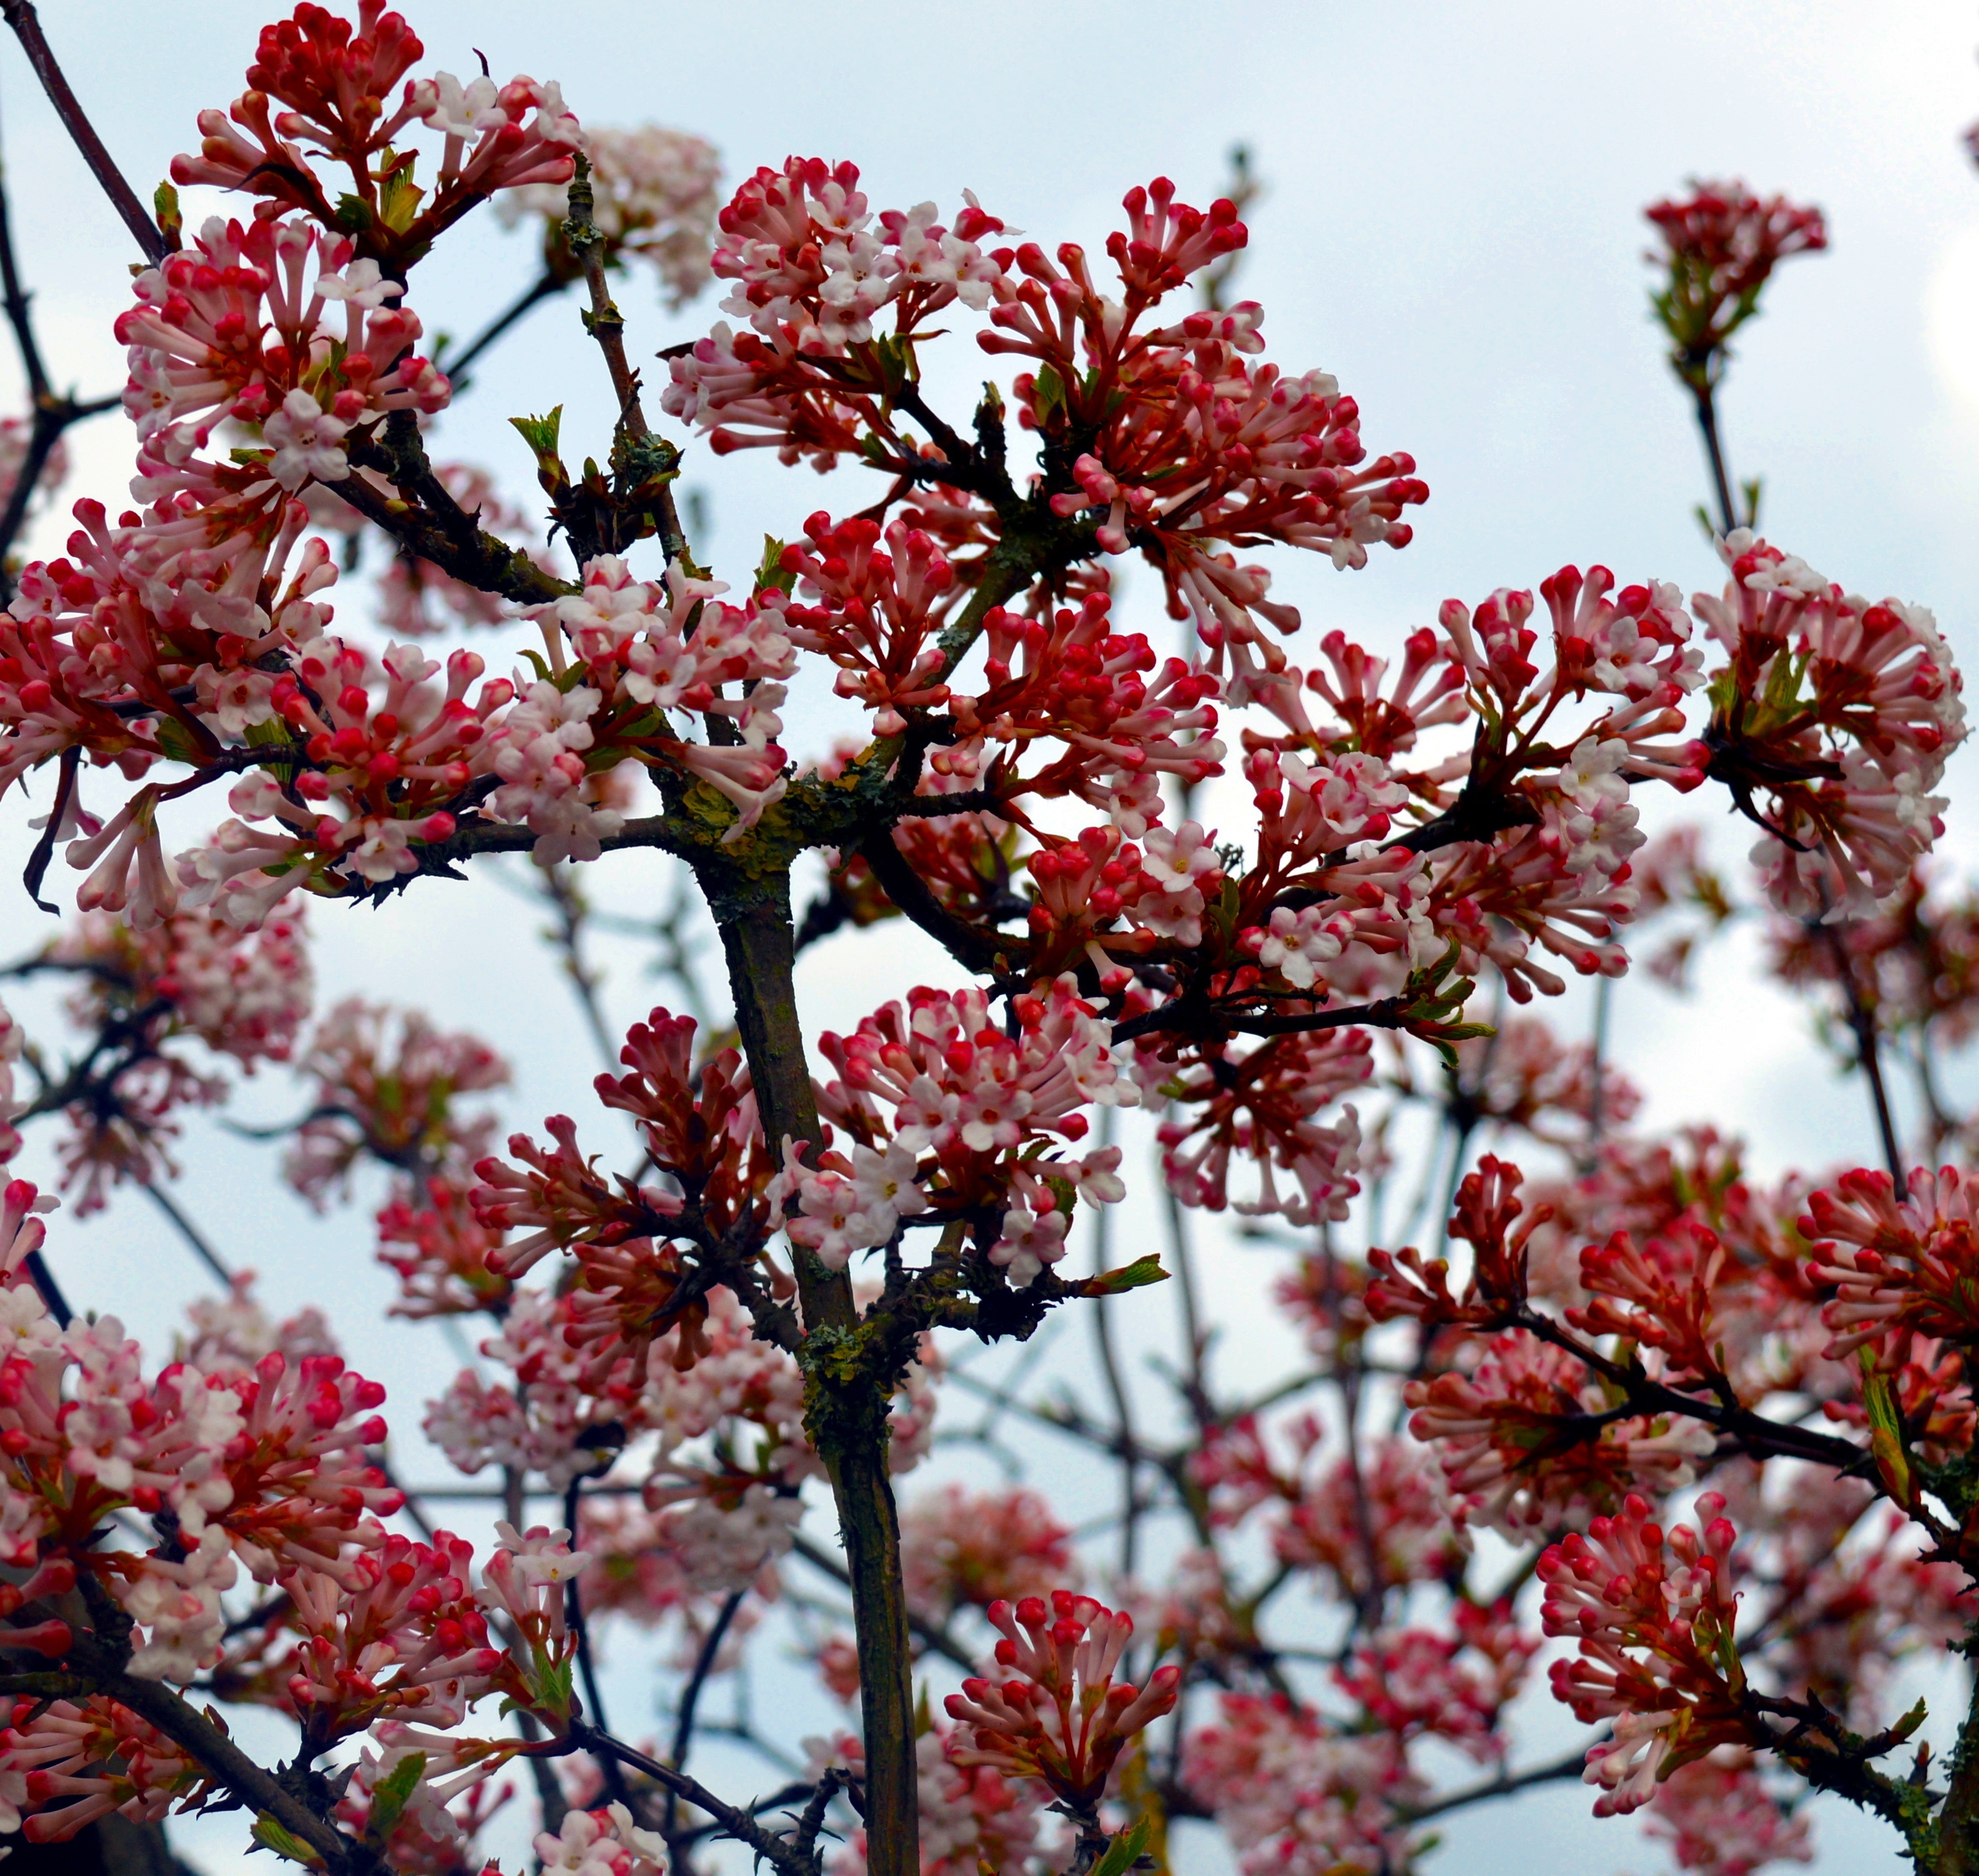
567,901
52,415
189,1231
544,287
738,1824
20,15
1707,422
1109,1363
1597,1072
1868,1055
1502,1785
704,1666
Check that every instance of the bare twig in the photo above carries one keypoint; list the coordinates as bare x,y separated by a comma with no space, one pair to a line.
1502,1785
1702,391
51,413
731,1822
546,286
1109,1363
1869,1054
20,15
567,901
189,1231
683,1740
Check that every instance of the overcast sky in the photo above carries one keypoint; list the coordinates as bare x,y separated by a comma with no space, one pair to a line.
1452,228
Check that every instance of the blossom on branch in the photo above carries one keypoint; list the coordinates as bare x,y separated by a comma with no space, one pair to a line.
1653,1615
1061,1718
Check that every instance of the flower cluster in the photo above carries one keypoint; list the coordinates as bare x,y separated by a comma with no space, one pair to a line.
655,198
387,1086
972,1817
1061,1718
960,1548
1525,1440
1653,1615
949,1117
1374,1519
1720,243
1295,1795
1842,715
141,997
689,1347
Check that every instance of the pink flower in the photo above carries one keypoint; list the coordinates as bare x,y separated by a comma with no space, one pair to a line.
1525,1438
960,1547
1062,1717
1298,1797
1720,243
1654,1618
1719,1818
1897,1264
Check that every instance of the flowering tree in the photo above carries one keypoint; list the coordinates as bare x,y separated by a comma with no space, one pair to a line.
761,1312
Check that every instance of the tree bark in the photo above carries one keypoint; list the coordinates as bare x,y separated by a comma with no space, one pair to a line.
1958,1823
846,1407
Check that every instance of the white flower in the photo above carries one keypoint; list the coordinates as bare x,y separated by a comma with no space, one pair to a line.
307,441
542,1556
462,110
882,1183
362,283
1031,1240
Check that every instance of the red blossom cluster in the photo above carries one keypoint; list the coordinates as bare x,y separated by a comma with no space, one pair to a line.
1060,1716
1720,243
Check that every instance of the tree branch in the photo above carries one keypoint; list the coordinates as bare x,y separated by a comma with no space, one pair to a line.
546,286
1502,1785
20,15
683,1740
737,1823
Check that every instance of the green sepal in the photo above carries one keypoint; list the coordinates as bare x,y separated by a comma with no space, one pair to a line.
1048,395
171,222
551,1684
1223,913
541,433
176,741
1136,1275
1907,1725
399,197
392,1794
1429,1007
771,571
1886,1433
270,1835
899,367
1122,1852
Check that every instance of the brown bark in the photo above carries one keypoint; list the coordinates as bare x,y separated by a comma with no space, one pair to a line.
846,1405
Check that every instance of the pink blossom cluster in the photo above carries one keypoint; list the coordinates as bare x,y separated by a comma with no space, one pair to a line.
962,1548
1296,1795
656,194
1843,713
1653,1615
944,1113
971,1816
1060,1716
